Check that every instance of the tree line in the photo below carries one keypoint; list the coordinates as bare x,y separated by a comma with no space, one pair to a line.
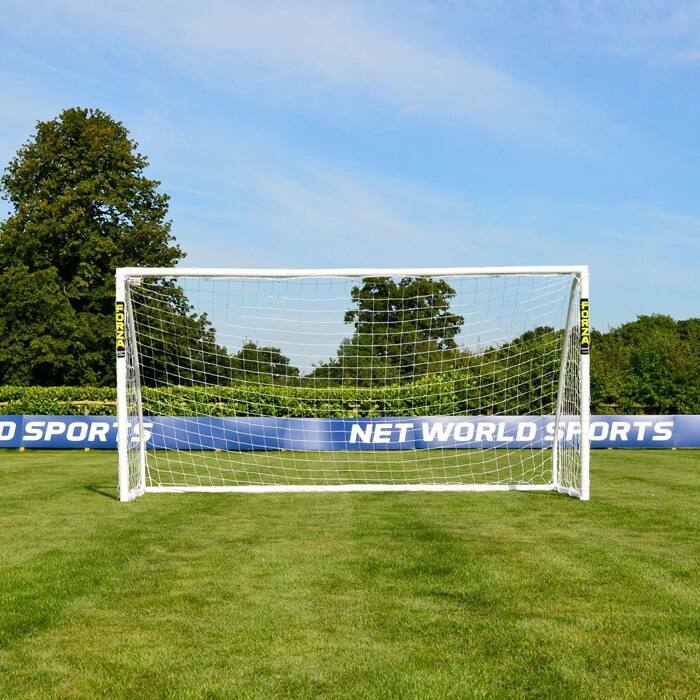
82,205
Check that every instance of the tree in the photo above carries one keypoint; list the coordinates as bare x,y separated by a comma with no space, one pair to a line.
264,365
39,330
356,365
81,207
649,365
403,330
179,342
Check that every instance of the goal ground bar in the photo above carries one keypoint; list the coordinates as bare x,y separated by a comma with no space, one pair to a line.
299,488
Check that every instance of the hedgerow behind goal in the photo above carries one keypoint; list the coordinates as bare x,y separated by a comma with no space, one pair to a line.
310,380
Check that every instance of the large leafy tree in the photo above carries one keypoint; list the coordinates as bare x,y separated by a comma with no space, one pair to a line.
403,331
81,206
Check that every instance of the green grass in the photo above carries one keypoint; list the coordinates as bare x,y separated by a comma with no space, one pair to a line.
168,468
350,595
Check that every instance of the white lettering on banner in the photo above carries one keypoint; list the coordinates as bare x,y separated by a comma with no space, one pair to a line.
403,430
375,433
663,430
54,429
485,431
365,435
382,432
598,431
77,431
642,426
34,430
573,429
74,430
460,429
619,430
570,429
7,430
526,431
98,431
622,431
457,431
549,431
501,434
146,431
437,431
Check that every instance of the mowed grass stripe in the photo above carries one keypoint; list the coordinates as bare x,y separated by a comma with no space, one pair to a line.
350,595
444,466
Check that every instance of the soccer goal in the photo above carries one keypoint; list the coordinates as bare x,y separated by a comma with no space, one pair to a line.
456,379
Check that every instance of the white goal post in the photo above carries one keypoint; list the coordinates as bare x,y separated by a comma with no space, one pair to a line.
427,379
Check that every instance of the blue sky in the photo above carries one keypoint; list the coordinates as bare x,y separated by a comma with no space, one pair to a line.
396,133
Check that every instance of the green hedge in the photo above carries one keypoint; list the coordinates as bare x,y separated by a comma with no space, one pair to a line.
457,393
433,398
58,400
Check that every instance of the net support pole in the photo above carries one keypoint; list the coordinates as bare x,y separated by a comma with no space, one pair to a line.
131,345
585,360
573,296
122,409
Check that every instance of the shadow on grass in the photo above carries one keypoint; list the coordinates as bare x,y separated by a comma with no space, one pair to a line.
106,491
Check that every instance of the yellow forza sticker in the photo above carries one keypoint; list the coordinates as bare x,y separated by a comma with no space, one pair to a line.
120,318
585,321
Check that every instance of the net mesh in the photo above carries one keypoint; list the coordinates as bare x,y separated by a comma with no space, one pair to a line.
239,382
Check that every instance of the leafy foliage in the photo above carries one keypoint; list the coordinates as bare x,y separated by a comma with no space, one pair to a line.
58,400
403,331
81,207
461,391
179,337
42,339
651,365
264,365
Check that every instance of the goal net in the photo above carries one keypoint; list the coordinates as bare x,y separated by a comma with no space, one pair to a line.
312,380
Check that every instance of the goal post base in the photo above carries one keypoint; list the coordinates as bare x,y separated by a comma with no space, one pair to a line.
131,495
346,488
573,492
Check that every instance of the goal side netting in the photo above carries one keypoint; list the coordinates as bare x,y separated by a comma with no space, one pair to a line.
283,380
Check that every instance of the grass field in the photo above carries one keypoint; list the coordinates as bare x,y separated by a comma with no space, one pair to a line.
350,595
291,468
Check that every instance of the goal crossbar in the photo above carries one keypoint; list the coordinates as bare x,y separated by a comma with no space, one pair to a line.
124,272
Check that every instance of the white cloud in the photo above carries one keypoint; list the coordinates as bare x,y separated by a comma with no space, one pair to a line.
313,213
344,48
334,54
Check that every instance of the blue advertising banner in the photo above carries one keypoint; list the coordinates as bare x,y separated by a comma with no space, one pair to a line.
250,433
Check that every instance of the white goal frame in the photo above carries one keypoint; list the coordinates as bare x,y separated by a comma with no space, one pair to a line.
133,274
